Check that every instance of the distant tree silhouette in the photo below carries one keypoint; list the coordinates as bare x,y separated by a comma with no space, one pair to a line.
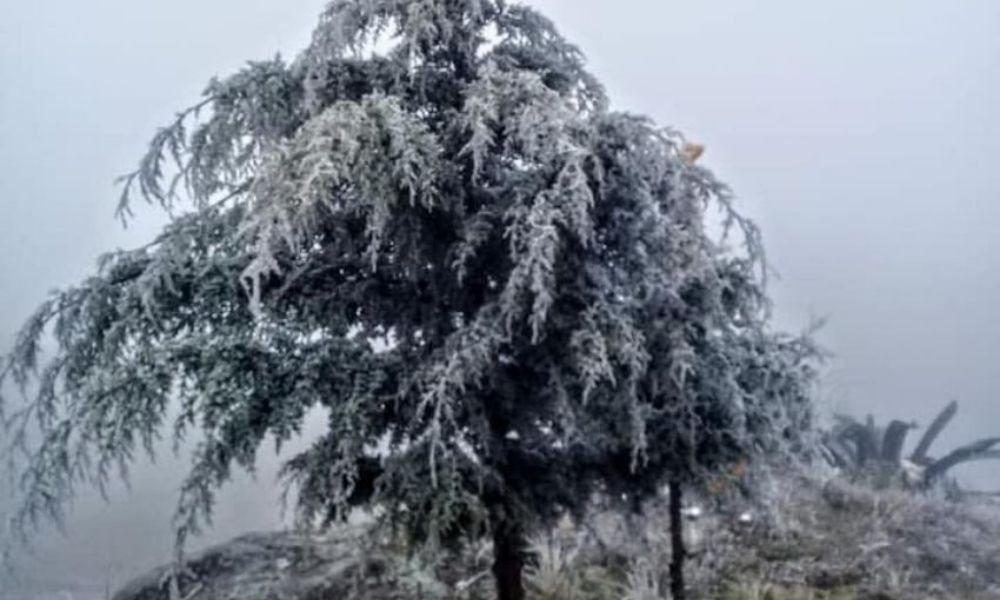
864,449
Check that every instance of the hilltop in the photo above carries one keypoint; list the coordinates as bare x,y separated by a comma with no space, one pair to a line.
804,539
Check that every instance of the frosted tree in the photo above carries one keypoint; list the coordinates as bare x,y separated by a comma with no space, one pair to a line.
505,297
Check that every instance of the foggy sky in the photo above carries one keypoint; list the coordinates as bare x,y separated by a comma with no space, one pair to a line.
862,135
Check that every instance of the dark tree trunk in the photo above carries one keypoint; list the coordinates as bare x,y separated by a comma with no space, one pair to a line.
677,551
508,561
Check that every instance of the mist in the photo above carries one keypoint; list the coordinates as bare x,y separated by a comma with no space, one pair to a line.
860,135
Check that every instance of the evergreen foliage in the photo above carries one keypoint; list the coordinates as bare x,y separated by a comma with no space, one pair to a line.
504,295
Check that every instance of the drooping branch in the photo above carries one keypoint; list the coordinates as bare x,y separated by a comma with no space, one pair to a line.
973,451
919,454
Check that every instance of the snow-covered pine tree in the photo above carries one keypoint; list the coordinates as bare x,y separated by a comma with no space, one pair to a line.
430,224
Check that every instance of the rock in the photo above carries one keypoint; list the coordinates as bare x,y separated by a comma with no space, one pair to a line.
830,578
841,495
275,566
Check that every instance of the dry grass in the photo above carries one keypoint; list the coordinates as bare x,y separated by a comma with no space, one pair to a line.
812,541
561,570
756,590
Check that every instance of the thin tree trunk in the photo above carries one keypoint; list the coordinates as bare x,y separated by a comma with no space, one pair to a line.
677,551
508,561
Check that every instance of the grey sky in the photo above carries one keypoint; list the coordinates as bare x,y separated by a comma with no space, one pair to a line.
862,135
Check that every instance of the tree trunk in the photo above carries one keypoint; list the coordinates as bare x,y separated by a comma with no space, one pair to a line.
508,561
677,551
